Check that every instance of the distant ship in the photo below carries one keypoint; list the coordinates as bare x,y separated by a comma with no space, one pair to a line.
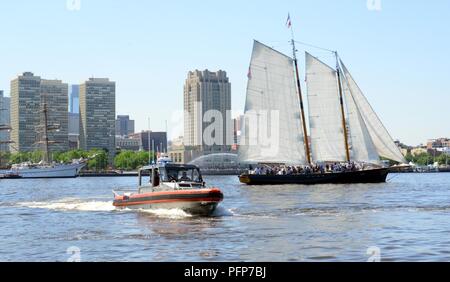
343,127
42,170
45,169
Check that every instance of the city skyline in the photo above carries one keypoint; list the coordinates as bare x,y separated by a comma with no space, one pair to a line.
149,50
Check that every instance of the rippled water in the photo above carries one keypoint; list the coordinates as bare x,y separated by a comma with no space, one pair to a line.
407,219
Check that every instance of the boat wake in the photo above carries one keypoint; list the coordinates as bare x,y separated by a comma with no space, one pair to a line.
71,205
167,213
221,211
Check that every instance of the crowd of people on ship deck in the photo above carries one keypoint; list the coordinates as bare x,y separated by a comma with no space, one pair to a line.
305,169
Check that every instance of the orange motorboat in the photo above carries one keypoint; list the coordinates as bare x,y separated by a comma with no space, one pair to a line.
171,186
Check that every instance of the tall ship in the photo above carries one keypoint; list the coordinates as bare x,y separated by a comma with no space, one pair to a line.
45,168
346,141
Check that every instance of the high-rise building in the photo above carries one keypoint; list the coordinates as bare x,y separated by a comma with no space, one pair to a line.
129,144
124,125
207,92
54,96
74,99
74,130
97,115
74,116
29,93
25,111
4,122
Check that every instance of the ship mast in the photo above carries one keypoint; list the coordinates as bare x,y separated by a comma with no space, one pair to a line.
46,154
7,128
44,129
341,101
305,133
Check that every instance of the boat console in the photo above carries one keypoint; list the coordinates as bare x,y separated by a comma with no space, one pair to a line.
167,176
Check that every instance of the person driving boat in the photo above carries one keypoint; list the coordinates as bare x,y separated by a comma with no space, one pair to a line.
184,177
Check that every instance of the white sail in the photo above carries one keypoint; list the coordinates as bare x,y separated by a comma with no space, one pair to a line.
325,118
362,148
272,123
383,142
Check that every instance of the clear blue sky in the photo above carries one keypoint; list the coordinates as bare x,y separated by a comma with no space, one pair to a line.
400,55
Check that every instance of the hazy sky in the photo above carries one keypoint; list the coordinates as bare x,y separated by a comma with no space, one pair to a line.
399,55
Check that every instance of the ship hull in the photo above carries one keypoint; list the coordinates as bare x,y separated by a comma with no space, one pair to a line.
364,176
195,202
59,171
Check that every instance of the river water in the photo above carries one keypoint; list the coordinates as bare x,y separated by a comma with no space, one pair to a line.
405,219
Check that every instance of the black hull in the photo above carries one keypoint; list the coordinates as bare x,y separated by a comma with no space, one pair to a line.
10,177
365,176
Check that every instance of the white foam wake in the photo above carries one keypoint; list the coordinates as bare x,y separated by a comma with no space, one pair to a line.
71,205
169,213
221,211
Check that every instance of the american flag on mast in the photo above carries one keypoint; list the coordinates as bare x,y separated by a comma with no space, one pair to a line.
288,21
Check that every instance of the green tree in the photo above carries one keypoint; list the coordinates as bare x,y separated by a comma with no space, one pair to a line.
4,158
67,157
20,157
423,159
130,160
124,160
143,157
409,158
98,161
443,159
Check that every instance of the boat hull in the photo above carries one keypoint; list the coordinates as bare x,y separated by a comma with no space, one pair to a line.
9,176
59,171
195,202
364,176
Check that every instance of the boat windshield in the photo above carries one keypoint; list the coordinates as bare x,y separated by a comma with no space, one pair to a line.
179,174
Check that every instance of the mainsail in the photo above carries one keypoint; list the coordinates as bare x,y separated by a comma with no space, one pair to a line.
383,142
325,119
271,131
